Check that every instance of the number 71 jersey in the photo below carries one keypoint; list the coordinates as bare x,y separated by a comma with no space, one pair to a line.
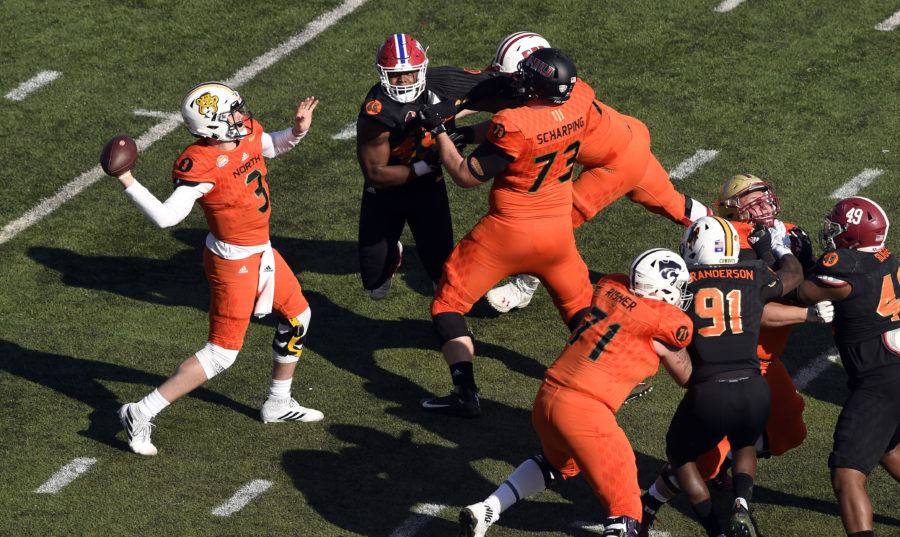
612,349
237,208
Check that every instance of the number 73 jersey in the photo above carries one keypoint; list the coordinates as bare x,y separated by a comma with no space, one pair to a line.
543,142
612,349
237,208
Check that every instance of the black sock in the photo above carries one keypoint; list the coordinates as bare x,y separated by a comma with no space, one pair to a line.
708,520
743,486
651,504
870,533
463,375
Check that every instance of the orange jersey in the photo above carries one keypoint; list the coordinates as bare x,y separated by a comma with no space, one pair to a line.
611,350
237,208
608,136
772,340
544,141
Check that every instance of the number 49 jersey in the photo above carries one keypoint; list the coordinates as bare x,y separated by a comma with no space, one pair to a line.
726,311
237,208
872,307
612,350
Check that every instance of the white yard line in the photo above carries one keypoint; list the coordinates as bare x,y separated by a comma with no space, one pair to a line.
348,132
66,475
816,367
853,186
425,513
890,23
242,497
34,83
692,164
156,133
727,6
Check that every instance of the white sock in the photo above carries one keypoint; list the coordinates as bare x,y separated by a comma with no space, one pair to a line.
656,494
525,480
152,404
280,389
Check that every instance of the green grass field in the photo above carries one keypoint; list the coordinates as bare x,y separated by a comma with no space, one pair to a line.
99,305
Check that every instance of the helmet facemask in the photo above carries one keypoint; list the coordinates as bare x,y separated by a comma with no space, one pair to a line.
732,206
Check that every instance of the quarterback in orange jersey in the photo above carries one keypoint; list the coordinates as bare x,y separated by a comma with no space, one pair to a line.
749,202
224,171
529,152
635,321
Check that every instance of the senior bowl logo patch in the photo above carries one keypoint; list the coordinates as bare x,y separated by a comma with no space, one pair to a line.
221,161
373,108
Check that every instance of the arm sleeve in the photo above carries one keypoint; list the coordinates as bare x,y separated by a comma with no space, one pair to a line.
173,210
280,142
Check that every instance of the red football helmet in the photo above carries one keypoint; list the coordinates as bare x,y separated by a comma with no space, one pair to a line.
856,223
400,53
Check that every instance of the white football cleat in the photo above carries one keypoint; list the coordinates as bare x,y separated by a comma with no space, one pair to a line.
382,290
138,430
287,409
516,293
475,520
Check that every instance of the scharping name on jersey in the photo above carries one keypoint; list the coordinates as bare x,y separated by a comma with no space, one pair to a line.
560,132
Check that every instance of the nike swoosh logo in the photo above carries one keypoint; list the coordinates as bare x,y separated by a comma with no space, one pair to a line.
429,404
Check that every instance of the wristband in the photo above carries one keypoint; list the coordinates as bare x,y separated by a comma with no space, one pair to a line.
420,168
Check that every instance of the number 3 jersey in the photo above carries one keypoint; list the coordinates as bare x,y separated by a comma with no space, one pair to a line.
612,350
726,311
237,208
871,309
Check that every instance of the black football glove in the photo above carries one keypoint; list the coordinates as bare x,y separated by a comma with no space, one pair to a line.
431,119
461,137
801,246
761,241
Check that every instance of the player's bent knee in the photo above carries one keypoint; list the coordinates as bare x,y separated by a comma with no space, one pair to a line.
450,325
290,334
215,359
551,474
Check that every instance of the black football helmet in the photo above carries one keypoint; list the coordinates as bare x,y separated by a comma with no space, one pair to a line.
546,74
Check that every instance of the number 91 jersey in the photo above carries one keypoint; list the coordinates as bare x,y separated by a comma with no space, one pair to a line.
237,208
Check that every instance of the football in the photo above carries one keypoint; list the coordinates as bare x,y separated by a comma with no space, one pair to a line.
119,155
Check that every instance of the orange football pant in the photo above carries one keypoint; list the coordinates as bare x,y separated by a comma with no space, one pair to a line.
635,173
498,247
232,295
580,434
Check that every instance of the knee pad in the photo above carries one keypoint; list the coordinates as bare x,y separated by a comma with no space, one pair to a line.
550,473
450,325
215,359
290,334
668,476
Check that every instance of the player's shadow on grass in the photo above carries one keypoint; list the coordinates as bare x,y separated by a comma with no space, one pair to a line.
393,476
82,380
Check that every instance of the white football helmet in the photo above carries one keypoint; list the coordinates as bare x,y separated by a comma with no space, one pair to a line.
662,275
208,110
710,240
515,48
400,53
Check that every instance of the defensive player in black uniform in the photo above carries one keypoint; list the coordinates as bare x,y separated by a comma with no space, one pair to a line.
400,163
860,276
727,396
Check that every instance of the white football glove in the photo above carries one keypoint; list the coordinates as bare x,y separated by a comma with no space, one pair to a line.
781,241
822,312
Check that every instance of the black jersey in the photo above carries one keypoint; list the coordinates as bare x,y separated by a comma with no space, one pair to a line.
726,311
871,309
408,140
